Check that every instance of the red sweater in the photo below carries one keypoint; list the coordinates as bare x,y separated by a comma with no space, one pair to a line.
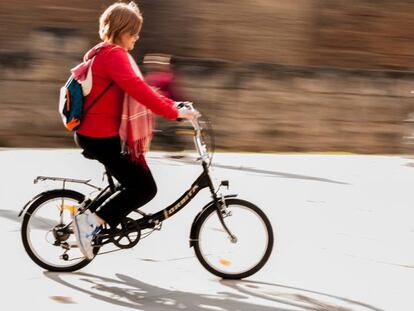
104,118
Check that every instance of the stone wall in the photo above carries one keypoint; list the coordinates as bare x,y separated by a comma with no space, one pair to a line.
305,75
290,108
356,34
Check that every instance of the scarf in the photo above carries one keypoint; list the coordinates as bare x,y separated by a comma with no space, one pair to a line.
137,123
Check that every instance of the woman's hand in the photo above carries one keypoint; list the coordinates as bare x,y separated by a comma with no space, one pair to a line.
188,114
185,112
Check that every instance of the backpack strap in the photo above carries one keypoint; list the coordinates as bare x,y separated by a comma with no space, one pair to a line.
98,97
105,90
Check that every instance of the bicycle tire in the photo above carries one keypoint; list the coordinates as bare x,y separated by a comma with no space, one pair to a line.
203,257
38,203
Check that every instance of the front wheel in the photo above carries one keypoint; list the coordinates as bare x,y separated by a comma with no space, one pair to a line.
47,235
240,256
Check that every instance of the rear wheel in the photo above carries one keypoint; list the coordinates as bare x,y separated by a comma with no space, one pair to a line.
238,257
46,233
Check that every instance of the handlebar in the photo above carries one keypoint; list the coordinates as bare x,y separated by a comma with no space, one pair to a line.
199,142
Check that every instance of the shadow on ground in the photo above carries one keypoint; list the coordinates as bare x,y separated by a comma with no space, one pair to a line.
123,290
10,215
188,160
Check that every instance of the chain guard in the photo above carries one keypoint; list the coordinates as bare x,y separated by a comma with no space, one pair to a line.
127,234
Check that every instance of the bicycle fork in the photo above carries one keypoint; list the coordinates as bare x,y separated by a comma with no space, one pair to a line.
221,209
220,204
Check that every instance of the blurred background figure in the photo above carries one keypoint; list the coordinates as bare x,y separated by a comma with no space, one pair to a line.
160,75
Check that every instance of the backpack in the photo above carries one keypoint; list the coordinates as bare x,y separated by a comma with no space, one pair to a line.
71,100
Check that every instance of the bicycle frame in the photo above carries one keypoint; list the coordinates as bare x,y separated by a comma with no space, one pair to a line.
203,181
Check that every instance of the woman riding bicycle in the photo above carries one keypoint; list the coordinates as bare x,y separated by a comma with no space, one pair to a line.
121,121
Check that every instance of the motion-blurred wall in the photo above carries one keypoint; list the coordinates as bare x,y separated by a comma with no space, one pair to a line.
316,75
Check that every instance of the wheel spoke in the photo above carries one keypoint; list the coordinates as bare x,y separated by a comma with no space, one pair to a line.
45,224
45,214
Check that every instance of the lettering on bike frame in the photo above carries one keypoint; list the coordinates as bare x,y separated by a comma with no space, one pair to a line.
188,196
203,181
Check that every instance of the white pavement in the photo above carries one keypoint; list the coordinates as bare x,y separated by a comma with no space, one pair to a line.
344,227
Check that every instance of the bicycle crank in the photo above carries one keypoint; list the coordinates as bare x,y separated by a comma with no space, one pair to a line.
127,234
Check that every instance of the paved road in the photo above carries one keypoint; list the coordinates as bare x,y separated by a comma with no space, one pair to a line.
344,237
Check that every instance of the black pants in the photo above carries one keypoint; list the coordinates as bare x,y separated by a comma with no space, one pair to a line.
138,185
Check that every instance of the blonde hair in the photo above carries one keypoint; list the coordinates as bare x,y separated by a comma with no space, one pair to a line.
120,18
